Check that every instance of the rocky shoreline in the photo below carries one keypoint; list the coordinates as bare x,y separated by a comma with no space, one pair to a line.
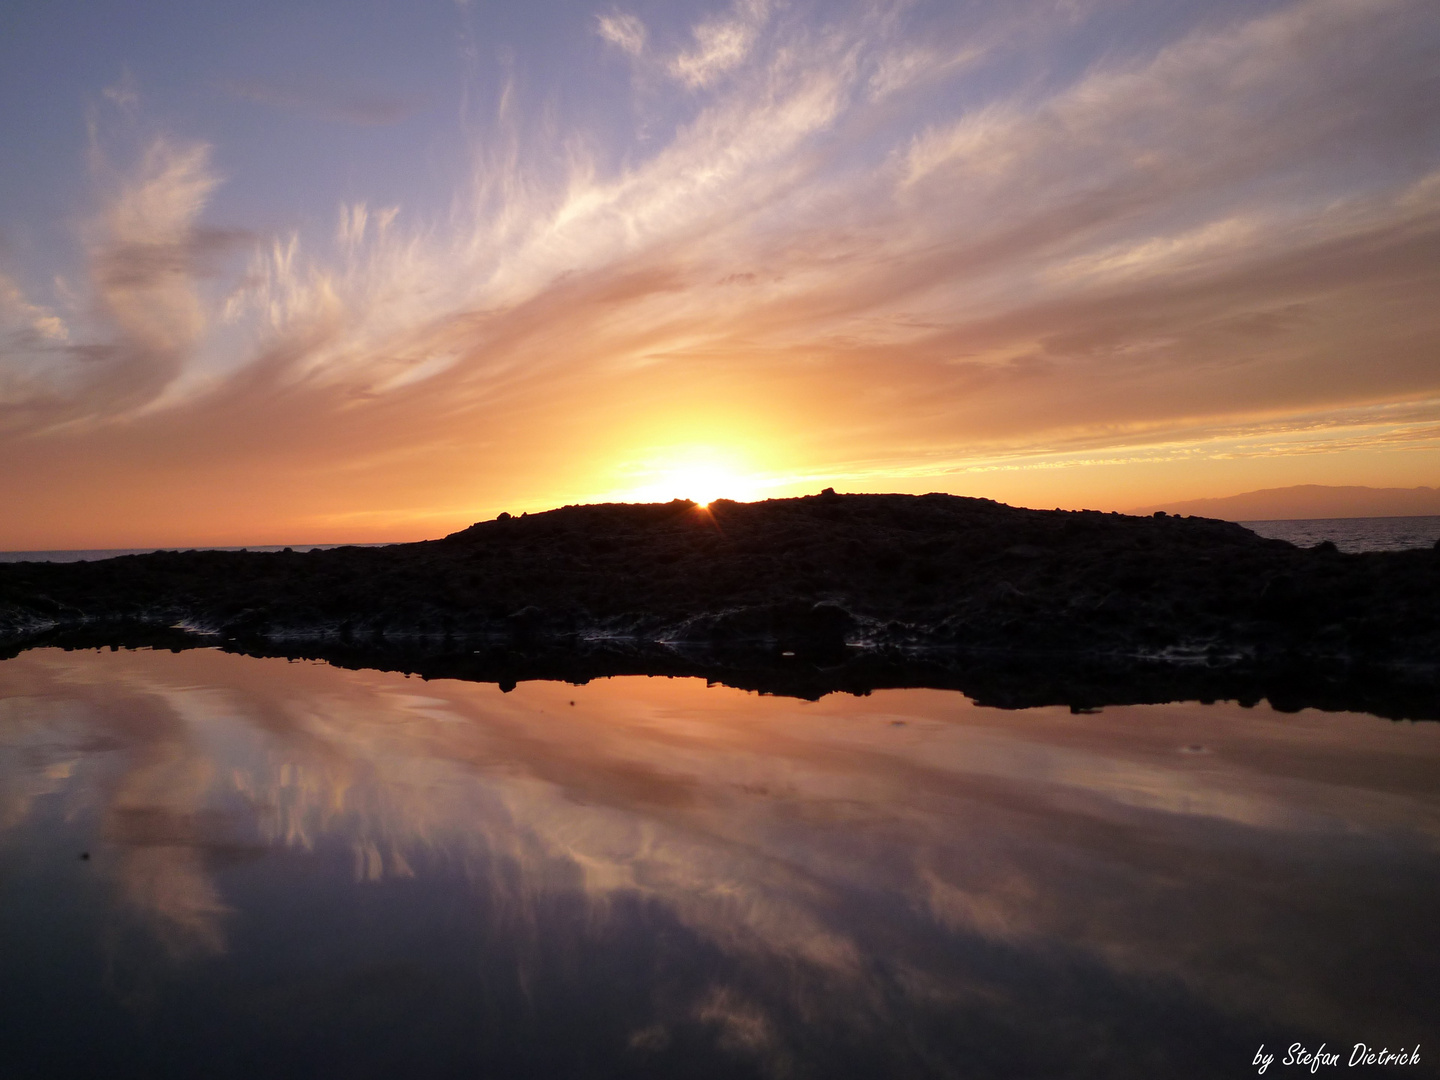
806,595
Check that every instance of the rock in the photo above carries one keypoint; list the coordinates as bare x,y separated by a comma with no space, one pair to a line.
526,625
805,573
827,625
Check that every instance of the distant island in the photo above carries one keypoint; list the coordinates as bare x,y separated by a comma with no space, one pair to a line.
800,596
1310,501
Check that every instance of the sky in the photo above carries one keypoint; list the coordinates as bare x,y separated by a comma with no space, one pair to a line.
324,272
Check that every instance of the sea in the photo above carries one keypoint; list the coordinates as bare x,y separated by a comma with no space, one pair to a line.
96,554
1354,534
1348,534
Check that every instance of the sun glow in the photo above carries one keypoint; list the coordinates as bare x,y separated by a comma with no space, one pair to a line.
697,475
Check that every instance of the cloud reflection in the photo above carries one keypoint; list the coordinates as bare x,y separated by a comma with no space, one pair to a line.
816,837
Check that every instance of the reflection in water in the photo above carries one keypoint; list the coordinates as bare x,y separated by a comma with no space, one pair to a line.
296,869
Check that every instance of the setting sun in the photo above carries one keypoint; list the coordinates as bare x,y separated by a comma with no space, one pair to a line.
700,475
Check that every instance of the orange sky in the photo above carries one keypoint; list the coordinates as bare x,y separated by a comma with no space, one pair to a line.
788,248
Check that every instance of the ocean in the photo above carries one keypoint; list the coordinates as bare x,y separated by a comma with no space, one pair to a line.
1354,534
96,554
1348,534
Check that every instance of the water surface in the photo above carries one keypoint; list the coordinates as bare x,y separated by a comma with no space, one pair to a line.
296,870
70,555
1354,534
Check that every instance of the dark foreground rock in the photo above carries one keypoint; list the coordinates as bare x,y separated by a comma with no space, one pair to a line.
804,596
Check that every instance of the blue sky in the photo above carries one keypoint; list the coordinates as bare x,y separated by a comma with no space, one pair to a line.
331,271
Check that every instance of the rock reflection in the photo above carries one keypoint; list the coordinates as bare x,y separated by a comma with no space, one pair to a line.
908,869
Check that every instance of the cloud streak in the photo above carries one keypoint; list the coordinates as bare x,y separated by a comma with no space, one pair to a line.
335,106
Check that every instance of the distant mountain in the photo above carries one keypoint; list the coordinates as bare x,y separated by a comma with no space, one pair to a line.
1310,501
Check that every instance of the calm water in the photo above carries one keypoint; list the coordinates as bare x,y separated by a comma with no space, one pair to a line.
94,554
301,871
1354,534
1349,534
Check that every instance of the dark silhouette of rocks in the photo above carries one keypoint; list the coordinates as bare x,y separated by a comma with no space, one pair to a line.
874,590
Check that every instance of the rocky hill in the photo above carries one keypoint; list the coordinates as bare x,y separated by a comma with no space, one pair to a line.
821,576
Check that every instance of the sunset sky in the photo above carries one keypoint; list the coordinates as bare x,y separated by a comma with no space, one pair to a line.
279,272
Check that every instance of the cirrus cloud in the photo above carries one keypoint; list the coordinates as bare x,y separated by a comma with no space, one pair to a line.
1229,232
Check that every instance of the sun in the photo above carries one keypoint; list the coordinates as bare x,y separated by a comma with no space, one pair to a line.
697,475
705,483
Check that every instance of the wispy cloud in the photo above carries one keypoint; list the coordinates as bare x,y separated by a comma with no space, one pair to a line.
626,32
124,94
25,323
721,43
1235,227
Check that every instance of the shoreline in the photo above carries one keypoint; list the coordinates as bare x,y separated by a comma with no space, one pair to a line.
1083,682
940,586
